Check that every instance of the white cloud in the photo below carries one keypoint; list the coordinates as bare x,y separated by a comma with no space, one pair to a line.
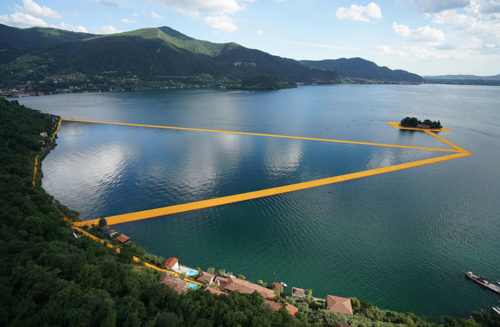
470,25
454,18
424,33
20,19
135,14
221,22
155,15
215,13
490,45
34,9
388,51
360,13
30,14
206,6
73,28
107,30
260,32
128,21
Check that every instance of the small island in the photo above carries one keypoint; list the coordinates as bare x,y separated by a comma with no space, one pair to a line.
415,123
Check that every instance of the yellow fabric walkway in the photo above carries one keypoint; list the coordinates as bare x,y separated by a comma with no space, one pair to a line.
145,214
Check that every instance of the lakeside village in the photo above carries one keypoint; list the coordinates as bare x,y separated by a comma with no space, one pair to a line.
182,279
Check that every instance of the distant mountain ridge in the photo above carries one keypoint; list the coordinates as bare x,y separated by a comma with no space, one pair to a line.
463,79
52,60
464,76
359,69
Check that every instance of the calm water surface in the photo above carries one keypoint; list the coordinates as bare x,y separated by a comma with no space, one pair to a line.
402,240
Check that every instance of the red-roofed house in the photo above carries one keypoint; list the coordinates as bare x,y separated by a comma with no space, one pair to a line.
234,284
205,278
171,263
122,238
299,293
178,285
291,309
339,304
275,306
214,291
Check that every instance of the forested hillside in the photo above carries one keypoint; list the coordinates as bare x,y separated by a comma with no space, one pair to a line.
50,278
49,60
364,71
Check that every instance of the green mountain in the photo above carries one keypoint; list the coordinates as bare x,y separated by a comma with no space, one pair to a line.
51,60
361,70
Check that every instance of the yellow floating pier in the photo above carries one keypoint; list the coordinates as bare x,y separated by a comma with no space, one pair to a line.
398,126
140,215
265,135
169,210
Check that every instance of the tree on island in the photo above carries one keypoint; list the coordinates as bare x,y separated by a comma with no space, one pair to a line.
414,122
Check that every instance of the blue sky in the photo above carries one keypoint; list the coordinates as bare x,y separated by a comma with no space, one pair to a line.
428,37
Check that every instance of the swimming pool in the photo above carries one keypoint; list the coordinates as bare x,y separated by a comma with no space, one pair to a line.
192,286
192,273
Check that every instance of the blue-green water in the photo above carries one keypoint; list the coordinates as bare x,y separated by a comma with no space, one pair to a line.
402,240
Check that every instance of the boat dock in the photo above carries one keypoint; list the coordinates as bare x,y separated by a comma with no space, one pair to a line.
483,281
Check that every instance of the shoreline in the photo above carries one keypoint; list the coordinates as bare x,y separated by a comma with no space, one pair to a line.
78,224
18,94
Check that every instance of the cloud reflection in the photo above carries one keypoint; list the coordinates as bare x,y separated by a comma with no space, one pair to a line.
283,158
82,179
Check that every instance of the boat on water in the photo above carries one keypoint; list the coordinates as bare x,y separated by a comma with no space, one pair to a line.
483,281
496,309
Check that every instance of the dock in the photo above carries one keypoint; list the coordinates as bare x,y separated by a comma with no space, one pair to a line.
453,152
484,282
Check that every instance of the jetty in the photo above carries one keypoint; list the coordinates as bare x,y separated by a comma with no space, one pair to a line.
454,150
483,281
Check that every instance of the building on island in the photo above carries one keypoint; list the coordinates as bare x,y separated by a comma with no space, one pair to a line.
234,284
299,293
205,278
171,263
339,304
122,238
426,126
177,284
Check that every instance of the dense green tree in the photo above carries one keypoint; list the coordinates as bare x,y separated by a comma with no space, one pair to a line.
356,304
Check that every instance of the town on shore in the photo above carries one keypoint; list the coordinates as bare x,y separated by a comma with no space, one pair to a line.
182,279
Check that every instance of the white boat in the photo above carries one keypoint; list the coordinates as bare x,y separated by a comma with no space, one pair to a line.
496,309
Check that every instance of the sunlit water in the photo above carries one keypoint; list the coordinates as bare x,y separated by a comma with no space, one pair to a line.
402,240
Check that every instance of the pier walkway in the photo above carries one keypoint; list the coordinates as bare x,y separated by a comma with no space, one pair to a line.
456,152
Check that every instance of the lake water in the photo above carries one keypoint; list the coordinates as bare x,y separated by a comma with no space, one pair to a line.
402,240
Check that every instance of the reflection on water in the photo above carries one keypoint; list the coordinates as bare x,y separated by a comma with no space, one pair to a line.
402,240
282,160
106,170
